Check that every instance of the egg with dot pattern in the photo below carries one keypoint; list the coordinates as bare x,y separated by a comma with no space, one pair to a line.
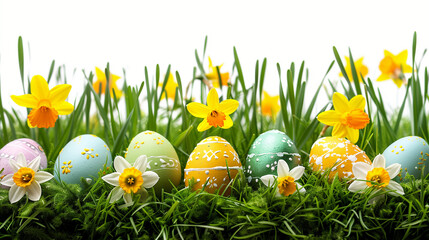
83,157
412,153
266,151
337,154
162,158
212,165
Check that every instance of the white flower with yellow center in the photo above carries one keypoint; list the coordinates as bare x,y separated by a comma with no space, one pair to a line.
129,178
26,179
285,179
376,176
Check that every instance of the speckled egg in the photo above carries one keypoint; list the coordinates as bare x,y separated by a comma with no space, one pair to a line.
337,154
266,151
412,153
213,164
28,147
162,158
82,157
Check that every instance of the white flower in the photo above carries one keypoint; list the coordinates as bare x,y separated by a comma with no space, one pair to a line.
26,179
376,176
129,178
285,180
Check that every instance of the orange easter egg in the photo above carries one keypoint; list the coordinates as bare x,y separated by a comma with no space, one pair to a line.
212,165
337,154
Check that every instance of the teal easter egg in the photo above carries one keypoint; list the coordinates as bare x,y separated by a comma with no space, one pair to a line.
412,153
162,158
83,157
266,151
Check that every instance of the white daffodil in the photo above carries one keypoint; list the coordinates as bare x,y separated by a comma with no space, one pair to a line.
129,178
26,179
376,176
285,179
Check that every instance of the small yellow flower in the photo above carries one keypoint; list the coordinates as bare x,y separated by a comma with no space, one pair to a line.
360,69
46,104
170,87
214,76
394,66
347,118
131,180
101,79
285,179
270,105
215,114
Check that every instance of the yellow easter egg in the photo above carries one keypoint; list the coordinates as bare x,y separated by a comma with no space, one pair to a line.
212,165
337,155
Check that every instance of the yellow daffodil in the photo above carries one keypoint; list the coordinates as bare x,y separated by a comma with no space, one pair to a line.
360,69
214,76
170,87
285,180
101,80
215,114
46,104
270,105
393,67
347,118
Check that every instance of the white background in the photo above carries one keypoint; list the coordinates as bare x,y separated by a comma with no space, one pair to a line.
134,34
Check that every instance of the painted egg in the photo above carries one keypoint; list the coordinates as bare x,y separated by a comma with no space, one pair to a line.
266,151
337,154
162,158
28,147
412,153
212,165
83,157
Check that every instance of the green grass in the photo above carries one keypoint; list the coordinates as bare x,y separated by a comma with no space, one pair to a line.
327,210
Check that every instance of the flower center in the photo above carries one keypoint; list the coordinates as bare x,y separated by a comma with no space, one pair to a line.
131,180
356,119
286,185
44,116
216,118
379,178
24,177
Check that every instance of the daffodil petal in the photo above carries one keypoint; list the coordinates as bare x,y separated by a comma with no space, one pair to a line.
198,109
101,76
141,163
204,125
297,172
388,54
116,194
150,179
393,170
59,93
228,106
26,100
64,108
282,169
213,99
16,193
330,117
112,178
300,188
127,198
227,123
20,160
339,130
357,102
269,180
379,161
361,169
8,180
407,68
42,176
121,164
39,87
35,164
352,134
357,186
398,82
34,191
383,77
396,187
401,58
341,103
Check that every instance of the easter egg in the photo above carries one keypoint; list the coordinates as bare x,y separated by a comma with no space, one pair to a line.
28,147
161,156
337,155
412,153
266,151
212,165
83,157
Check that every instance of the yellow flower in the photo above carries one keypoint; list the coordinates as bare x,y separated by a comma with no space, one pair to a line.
101,80
170,87
347,118
215,114
360,69
46,104
214,76
393,67
270,105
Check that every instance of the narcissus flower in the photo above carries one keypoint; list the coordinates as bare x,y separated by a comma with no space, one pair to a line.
26,179
360,69
101,80
270,105
214,76
129,178
394,66
376,176
215,114
347,118
285,179
170,87
46,104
